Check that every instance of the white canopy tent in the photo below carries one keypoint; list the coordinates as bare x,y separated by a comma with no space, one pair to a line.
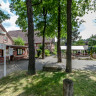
75,47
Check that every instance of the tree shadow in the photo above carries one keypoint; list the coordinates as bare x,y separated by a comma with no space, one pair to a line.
90,67
50,83
84,83
12,79
45,85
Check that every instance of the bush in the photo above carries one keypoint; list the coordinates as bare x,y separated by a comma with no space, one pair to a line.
47,52
41,46
36,56
19,41
39,51
55,51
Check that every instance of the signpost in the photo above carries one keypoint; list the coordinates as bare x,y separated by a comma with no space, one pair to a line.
3,47
4,60
10,51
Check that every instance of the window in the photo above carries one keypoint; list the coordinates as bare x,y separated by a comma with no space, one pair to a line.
19,51
5,39
1,53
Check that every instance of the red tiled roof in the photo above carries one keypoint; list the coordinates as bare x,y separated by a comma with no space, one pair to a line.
23,35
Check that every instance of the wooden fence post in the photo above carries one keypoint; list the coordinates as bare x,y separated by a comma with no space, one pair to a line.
67,87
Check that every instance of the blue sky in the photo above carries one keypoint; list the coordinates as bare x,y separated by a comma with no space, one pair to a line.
10,23
86,29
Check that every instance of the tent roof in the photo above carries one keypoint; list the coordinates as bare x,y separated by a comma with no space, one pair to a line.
75,47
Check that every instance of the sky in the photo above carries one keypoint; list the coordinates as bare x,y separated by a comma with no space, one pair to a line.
86,29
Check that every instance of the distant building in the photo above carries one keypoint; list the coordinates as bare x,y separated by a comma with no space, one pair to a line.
5,37
49,43
17,51
12,51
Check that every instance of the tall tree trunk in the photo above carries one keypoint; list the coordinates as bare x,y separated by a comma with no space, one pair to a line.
43,48
69,37
31,66
43,43
59,34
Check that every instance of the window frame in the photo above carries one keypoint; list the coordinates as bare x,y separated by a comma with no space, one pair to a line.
19,51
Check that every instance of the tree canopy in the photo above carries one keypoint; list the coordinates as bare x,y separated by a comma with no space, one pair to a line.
80,42
3,16
79,8
19,41
92,40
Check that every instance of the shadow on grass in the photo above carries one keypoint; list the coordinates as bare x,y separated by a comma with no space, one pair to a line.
90,67
46,84
51,83
12,79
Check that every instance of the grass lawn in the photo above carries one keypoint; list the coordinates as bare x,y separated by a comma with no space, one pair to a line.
47,84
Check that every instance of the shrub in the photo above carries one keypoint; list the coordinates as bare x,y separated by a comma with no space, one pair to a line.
39,51
40,46
19,41
55,51
47,52
36,56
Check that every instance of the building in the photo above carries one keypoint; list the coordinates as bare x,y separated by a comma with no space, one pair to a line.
15,52
49,43
5,37
12,51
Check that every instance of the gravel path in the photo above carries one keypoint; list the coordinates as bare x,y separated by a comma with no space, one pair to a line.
23,64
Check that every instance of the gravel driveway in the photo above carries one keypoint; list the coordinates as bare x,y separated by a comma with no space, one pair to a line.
23,64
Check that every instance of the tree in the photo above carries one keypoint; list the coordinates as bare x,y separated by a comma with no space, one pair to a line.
41,22
69,37
50,24
79,42
25,21
19,41
31,66
3,16
75,35
59,33
82,6
45,16
92,40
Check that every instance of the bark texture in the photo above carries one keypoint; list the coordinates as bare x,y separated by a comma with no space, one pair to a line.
59,34
43,48
69,37
67,87
31,65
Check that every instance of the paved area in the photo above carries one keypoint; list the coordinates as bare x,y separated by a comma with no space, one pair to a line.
23,64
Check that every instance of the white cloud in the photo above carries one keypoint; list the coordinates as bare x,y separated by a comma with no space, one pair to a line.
5,7
10,23
90,27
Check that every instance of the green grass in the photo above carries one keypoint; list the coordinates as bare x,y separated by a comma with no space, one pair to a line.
47,84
